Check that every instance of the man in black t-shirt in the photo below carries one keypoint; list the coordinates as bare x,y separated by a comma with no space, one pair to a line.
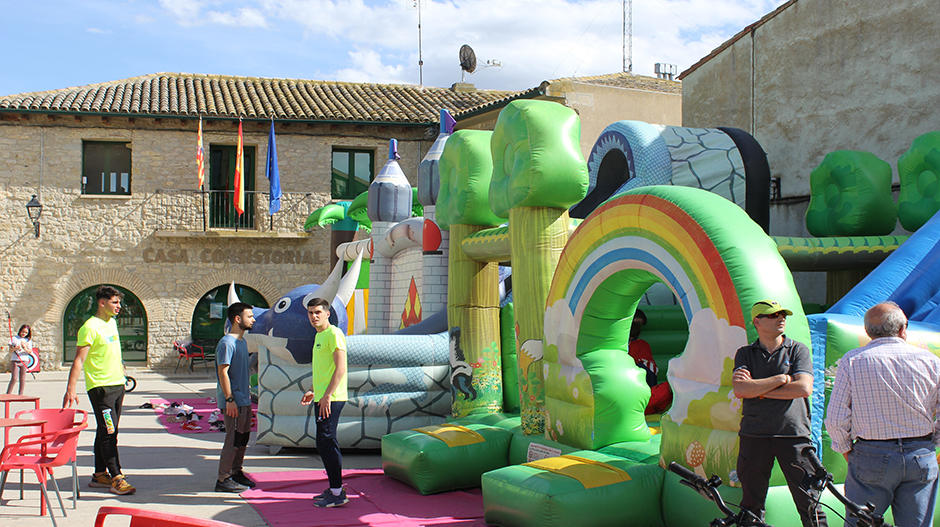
774,377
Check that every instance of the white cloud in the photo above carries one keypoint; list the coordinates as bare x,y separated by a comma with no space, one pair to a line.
245,17
98,31
367,66
186,11
377,40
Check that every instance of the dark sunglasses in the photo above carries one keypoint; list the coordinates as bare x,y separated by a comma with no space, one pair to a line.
778,314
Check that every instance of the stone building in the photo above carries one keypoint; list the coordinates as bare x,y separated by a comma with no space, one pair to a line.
815,76
114,166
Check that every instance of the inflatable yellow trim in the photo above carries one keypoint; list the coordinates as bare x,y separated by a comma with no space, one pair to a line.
588,472
452,435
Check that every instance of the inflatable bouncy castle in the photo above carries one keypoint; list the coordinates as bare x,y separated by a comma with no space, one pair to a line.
499,311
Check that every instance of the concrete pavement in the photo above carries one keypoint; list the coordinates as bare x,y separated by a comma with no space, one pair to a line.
173,473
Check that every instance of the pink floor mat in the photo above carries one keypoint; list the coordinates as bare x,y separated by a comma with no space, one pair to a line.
203,406
286,498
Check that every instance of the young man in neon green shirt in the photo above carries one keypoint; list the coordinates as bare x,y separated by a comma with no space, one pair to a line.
99,351
329,384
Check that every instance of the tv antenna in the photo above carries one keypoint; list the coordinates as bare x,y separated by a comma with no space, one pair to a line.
468,62
628,36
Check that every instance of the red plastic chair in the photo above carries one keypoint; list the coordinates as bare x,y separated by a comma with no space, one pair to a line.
14,458
56,419
191,351
145,518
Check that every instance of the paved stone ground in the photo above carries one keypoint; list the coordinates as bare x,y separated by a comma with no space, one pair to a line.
172,473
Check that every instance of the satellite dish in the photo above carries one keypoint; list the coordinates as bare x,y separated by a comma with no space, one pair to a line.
468,59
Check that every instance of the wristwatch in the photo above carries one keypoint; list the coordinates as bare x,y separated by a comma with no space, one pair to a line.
230,399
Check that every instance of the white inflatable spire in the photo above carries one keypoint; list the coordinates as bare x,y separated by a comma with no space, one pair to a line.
348,286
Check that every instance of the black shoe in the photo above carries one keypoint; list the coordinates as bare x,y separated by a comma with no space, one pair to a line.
240,478
229,485
332,500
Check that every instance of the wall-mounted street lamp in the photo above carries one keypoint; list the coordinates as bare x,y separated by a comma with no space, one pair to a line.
34,211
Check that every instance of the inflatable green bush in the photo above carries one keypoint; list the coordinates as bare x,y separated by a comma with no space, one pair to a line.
850,195
919,172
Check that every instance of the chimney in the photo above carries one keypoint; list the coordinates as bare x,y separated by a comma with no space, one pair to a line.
666,71
463,87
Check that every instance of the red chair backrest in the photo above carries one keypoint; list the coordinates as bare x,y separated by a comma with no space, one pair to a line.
56,419
188,350
64,441
145,518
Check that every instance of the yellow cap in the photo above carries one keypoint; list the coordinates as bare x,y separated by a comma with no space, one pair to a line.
768,307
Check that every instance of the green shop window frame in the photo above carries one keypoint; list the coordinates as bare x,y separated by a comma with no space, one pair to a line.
353,171
131,322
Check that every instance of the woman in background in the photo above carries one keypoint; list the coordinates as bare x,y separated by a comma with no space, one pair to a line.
20,346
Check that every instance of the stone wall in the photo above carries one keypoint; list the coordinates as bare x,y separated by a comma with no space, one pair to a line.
130,242
820,76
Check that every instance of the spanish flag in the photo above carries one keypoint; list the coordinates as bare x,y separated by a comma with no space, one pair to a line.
239,174
200,156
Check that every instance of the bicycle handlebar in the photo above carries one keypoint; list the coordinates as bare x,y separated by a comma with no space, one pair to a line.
708,488
822,478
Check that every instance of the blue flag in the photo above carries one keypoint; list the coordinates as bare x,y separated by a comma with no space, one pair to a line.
271,172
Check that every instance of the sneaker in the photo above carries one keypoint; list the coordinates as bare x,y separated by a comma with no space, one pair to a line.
101,480
322,495
240,478
191,425
120,486
332,500
229,485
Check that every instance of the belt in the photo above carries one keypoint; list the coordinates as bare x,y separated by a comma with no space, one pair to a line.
901,440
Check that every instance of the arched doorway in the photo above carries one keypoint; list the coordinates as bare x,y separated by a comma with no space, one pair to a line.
131,322
208,323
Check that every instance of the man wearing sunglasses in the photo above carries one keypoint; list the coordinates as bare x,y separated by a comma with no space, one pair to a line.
774,377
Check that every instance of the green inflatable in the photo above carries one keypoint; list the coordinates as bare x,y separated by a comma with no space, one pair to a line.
850,195
919,172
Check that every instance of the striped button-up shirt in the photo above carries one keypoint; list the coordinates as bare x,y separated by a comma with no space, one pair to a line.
888,389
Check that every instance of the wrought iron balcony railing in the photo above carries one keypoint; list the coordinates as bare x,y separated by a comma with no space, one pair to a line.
207,210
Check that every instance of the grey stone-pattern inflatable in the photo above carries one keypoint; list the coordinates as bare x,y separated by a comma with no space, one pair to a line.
633,154
395,383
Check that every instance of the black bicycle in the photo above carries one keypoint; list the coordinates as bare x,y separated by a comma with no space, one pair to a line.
819,480
822,479
708,488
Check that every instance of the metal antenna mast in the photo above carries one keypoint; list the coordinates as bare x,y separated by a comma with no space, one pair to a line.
420,57
627,36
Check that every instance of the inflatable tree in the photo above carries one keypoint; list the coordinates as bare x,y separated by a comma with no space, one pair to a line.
473,287
538,172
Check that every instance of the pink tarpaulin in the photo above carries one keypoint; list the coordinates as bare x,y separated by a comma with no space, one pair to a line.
286,498
203,406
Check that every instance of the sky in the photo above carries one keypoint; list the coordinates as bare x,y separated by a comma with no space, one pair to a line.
54,44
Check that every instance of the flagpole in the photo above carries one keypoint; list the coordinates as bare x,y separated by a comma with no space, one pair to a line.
239,177
270,190
201,172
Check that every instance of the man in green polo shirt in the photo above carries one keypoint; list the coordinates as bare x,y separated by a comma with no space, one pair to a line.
329,384
99,351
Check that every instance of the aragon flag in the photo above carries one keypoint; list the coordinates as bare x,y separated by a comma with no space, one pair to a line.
239,173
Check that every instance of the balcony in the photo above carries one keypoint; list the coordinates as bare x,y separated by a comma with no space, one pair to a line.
181,213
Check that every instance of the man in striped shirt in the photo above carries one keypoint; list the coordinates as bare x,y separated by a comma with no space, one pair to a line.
882,417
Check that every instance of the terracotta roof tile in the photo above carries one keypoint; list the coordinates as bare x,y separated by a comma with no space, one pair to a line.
185,94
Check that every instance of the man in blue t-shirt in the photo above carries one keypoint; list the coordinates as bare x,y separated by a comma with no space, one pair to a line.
234,399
